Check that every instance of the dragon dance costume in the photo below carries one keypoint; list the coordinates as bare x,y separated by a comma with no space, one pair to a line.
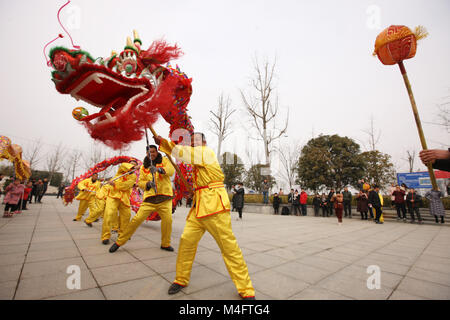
210,212
88,188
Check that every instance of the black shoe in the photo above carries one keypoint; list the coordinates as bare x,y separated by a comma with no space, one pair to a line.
88,223
74,220
248,298
114,247
96,220
106,241
175,288
169,248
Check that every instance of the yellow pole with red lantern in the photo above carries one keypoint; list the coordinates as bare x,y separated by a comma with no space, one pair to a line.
393,45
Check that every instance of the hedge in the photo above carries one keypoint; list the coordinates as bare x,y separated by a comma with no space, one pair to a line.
258,198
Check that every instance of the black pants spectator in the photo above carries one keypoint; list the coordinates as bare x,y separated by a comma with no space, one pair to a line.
40,197
378,213
60,194
296,210
364,215
303,208
36,198
12,207
240,212
24,204
276,208
324,211
30,197
316,211
371,212
417,212
330,208
348,209
401,210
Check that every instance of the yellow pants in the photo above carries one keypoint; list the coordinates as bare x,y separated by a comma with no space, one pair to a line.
112,206
219,226
83,206
99,211
164,210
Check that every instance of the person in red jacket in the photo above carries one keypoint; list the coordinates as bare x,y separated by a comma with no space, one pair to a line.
399,201
303,200
26,193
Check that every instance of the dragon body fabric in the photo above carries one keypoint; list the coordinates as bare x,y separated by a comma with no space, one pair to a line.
13,153
131,89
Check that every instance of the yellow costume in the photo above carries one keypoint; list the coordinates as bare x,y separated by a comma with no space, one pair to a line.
88,188
164,209
100,204
210,212
118,199
381,201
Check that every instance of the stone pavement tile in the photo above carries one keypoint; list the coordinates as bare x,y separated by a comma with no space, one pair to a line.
353,288
285,253
224,291
303,250
89,242
433,263
265,260
206,257
317,293
51,238
54,254
150,288
277,285
201,278
261,296
396,268
42,268
14,248
323,263
302,272
10,272
377,256
7,290
85,235
163,265
135,244
430,276
389,280
425,289
12,258
121,273
89,294
94,250
439,252
256,246
401,295
51,245
150,253
109,259
16,240
338,256
220,267
51,285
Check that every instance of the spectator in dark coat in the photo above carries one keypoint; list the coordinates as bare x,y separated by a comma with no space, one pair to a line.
44,189
60,191
399,201
324,205
276,203
414,201
33,190
239,195
316,204
347,203
38,190
330,201
296,203
362,204
375,203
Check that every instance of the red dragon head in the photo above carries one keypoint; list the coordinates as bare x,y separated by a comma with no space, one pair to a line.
130,89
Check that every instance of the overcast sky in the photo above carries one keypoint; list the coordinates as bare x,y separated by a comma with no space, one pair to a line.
325,75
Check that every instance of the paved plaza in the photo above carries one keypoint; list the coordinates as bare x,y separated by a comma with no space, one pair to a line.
289,257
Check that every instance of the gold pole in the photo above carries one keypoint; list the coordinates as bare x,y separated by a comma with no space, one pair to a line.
186,184
418,123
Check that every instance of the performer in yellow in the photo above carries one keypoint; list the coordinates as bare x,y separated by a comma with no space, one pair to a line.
157,197
88,187
210,212
118,199
100,204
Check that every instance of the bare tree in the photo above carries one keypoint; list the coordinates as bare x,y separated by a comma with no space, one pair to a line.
411,155
94,156
72,164
32,153
55,160
289,157
220,120
263,106
374,137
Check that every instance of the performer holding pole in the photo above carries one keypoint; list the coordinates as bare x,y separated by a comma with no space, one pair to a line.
87,188
210,212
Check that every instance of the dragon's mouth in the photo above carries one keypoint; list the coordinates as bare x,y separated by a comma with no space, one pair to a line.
95,83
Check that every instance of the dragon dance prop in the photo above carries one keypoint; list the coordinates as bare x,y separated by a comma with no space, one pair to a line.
393,45
13,153
131,89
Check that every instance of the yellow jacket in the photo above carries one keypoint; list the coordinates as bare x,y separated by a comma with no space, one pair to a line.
123,186
103,192
87,184
163,183
210,196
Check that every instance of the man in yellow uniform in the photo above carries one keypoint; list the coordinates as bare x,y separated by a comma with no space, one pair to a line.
210,212
100,204
88,187
157,197
118,199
